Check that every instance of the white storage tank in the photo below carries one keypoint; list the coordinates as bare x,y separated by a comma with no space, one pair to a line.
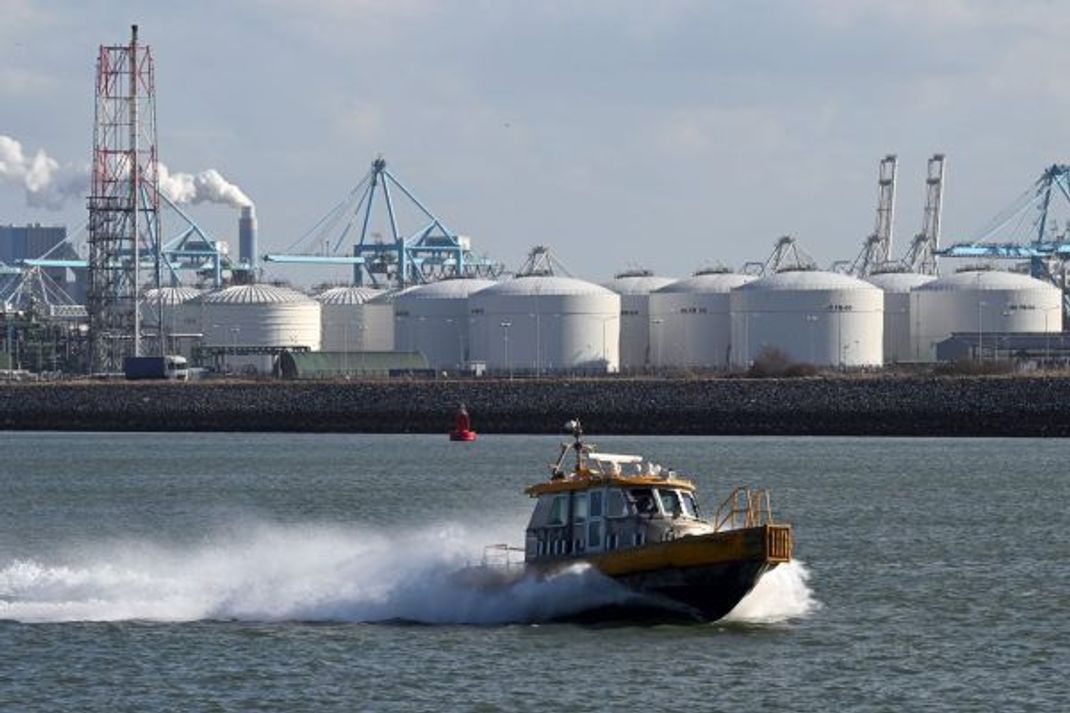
690,323
634,288
981,300
816,317
897,321
433,319
353,320
181,319
546,323
247,317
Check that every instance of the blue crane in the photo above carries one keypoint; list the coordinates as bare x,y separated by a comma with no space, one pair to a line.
1033,234
429,252
191,250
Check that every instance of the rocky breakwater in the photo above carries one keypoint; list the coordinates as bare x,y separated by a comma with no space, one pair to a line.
913,406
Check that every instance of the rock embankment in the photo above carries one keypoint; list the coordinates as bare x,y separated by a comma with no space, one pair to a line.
902,406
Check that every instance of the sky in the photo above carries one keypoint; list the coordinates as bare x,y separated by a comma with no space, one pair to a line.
666,135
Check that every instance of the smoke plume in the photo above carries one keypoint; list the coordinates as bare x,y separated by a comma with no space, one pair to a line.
205,187
49,185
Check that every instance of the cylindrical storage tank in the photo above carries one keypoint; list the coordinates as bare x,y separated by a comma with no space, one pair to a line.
181,320
690,323
634,289
433,319
545,323
897,322
169,299
249,317
981,301
815,317
353,321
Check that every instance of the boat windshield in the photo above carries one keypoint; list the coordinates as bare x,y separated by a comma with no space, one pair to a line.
670,502
559,511
690,507
643,500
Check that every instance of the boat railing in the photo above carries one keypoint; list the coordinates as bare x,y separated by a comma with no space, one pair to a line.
503,555
744,508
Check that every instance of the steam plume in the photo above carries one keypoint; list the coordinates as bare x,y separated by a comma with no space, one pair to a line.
49,185
205,187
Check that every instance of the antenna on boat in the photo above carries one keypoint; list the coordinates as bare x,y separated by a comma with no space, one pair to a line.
576,429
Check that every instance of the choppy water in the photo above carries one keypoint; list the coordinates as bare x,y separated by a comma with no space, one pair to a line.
254,572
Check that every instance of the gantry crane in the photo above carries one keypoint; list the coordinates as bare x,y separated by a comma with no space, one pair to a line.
877,247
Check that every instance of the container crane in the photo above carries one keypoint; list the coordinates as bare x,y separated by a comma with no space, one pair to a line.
877,248
921,255
1012,235
430,252
786,255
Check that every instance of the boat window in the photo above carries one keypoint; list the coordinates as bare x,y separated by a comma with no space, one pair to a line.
690,508
559,511
615,506
596,503
594,535
643,499
670,502
579,507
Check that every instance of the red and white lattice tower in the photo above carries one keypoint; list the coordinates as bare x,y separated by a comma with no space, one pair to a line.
123,203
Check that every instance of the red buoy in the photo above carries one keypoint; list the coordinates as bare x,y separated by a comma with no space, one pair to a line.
462,426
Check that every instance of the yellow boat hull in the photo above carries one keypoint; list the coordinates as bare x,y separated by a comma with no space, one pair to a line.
700,577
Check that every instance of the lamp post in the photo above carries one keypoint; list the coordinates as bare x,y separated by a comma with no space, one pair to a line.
657,322
538,345
345,348
360,341
505,339
1047,339
811,321
234,331
460,348
605,356
980,330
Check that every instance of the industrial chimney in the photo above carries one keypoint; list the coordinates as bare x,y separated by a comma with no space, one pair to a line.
247,237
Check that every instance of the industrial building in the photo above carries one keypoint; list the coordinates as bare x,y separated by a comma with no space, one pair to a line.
812,316
690,322
352,320
32,241
245,327
634,288
181,318
544,323
433,304
1045,349
897,324
979,301
433,319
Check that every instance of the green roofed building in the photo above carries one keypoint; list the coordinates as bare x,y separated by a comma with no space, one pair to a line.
332,365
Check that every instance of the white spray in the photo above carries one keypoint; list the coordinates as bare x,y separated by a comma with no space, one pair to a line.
50,185
319,573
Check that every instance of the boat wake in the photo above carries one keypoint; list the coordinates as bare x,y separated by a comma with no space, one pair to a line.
328,574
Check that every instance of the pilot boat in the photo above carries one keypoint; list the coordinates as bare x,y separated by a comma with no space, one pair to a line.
640,524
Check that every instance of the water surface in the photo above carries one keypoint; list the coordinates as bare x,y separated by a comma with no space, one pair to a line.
253,571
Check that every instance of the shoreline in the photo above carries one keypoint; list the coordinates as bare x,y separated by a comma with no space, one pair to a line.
1022,406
